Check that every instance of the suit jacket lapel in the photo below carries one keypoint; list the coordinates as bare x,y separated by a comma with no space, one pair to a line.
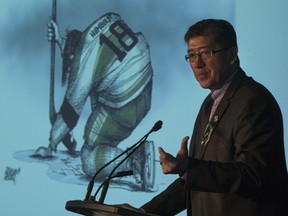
216,118
202,119
199,127
212,126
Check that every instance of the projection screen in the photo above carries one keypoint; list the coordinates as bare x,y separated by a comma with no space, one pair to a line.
35,86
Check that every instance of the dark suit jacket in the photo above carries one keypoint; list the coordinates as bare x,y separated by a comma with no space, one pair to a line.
242,169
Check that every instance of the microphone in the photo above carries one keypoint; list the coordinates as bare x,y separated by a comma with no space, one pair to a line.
157,126
105,184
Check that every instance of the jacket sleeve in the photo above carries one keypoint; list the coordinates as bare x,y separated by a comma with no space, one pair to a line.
169,202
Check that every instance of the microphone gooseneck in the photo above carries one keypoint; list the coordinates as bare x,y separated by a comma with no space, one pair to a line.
157,126
105,184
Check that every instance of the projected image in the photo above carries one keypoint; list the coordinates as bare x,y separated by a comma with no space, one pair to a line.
110,65
81,85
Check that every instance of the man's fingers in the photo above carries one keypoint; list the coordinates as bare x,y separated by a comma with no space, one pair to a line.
161,150
162,153
162,156
184,142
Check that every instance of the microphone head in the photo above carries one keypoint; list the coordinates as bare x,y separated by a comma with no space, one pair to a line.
157,126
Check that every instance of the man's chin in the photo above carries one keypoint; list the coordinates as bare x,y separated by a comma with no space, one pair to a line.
205,85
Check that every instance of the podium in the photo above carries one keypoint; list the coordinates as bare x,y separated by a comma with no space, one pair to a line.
90,208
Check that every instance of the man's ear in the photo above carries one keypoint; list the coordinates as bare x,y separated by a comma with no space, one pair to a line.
233,53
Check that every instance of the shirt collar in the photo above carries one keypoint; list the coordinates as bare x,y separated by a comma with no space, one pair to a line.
218,93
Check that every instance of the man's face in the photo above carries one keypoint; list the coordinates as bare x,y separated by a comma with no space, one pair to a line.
214,70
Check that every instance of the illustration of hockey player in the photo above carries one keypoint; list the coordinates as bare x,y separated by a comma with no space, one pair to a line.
109,64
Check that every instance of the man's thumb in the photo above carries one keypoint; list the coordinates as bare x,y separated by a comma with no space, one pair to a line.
184,143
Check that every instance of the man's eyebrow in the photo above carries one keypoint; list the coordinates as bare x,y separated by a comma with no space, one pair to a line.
200,48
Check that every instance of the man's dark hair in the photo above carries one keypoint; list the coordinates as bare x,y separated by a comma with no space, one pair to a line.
222,31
